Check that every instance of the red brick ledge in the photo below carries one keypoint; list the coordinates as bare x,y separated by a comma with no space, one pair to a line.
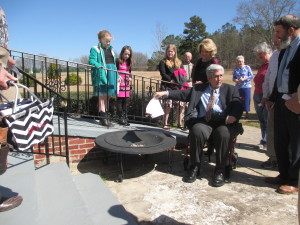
80,149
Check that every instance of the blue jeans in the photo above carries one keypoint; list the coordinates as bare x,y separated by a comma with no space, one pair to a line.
262,115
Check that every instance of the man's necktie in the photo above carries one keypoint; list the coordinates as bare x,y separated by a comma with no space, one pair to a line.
282,66
210,105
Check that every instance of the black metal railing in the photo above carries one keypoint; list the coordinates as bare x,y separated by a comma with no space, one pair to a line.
72,81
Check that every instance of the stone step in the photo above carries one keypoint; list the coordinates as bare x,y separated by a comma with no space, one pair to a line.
59,202
103,207
19,179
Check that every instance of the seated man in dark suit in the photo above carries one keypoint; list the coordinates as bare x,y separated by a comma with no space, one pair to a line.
213,106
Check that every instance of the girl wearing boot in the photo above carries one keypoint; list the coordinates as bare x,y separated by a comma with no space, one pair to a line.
104,81
124,64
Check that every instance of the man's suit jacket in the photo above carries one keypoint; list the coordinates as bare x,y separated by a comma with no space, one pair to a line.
294,75
229,97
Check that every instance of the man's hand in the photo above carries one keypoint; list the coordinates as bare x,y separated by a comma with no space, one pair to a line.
293,103
264,101
269,105
160,94
4,76
230,120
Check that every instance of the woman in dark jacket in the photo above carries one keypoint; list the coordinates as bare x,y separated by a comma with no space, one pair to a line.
207,50
167,66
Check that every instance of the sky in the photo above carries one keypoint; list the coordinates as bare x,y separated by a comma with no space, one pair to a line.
67,29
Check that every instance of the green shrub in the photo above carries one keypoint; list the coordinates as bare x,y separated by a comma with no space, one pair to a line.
28,82
73,78
53,72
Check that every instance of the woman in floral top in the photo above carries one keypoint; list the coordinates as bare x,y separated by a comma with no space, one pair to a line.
242,76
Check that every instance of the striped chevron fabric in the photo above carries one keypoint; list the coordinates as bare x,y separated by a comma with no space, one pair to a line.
31,128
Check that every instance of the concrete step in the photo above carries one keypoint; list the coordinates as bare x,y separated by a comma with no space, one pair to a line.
59,202
103,207
19,179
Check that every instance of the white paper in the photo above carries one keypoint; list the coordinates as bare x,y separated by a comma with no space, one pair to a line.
118,88
154,108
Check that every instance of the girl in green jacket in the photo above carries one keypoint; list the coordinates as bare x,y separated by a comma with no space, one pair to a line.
104,81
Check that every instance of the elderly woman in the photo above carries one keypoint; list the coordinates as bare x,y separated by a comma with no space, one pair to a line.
263,52
207,50
242,76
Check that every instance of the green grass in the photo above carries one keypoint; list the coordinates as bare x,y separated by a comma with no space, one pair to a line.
251,123
252,120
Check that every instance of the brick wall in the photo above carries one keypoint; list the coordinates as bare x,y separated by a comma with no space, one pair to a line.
80,149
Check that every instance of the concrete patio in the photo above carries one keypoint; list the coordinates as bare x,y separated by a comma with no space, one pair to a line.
154,195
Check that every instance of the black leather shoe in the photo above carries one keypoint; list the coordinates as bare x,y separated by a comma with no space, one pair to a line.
192,174
218,179
10,203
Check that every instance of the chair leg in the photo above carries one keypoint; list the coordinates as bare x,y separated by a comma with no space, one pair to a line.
232,159
187,152
186,163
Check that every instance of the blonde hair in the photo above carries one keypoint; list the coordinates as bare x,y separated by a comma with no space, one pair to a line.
103,34
209,45
172,63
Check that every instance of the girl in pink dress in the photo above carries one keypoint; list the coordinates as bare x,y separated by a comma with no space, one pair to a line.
124,64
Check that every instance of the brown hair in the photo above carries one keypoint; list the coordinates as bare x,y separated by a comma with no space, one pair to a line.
288,21
129,61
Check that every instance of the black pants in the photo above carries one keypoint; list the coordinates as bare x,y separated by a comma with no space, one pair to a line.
200,133
122,106
287,142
